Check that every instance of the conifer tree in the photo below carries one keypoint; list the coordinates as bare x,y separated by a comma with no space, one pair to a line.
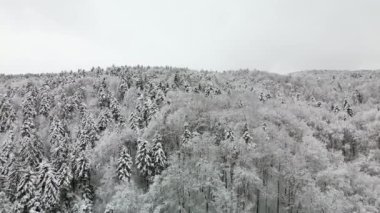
29,106
177,80
145,111
123,88
104,97
159,156
7,115
87,134
160,97
64,175
48,186
7,148
246,136
115,111
45,104
103,120
31,147
186,135
26,191
58,132
82,169
124,165
143,158
134,121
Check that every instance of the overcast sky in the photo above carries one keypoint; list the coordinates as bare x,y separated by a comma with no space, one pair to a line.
273,35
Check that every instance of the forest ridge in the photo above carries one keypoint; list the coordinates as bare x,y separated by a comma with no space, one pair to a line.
164,139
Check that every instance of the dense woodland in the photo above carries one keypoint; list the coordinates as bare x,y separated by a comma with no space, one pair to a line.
164,139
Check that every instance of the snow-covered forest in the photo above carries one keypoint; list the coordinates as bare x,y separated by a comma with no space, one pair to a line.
164,139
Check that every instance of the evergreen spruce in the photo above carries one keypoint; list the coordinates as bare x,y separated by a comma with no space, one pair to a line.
124,165
48,186
186,135
159,156
143,158
7,115
246,136
45,104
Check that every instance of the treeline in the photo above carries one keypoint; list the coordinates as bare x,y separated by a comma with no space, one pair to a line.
164,139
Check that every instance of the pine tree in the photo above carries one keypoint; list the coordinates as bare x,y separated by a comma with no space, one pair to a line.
140,83
48,186
246,136
87,134
186,135
58,132
160,97
7,115
124,165
26,191
115,111
159,156
103,120
134,121
64,176
31,151
104,97
177,80
123,88
143,158
82,169
45,104
29,106
145,111
6,150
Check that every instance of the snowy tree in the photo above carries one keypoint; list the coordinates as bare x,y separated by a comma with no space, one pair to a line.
104,119
64,176
7,148
160,97
31,150
48,186
82,168
159,156
134,121
124,165
246,136
87,134
104,97
26,191
45,104
7,115
145,111
123,89
29,106
58,132
186,135
143,158
115,111
177,80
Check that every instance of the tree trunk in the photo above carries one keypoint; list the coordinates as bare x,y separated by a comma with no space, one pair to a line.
257,200
278,189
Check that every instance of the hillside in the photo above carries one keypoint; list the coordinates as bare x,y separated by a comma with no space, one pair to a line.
164,139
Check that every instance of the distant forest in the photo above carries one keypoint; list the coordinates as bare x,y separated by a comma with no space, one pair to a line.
162,139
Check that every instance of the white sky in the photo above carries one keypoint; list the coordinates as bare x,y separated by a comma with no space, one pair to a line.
273,35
